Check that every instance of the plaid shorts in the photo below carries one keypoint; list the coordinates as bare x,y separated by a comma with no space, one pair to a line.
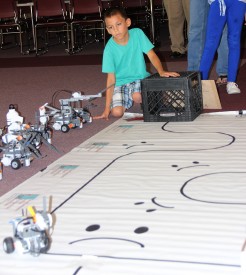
123,94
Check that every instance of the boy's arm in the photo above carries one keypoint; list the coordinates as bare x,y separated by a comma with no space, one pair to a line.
109,95
154,59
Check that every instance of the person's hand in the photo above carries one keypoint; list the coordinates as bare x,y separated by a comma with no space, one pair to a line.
169,74
104,115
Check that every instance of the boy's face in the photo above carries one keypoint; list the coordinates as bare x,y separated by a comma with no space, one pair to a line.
117,26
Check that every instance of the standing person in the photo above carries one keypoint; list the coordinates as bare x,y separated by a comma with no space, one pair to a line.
177,12
196,37
123,61
221,12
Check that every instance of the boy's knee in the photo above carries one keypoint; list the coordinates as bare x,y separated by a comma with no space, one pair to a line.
118,111
137,97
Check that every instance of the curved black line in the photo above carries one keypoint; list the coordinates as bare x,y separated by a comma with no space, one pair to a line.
90,180
192,166
131,146
220,133
163,206
212,202
106,238
150,260
138,152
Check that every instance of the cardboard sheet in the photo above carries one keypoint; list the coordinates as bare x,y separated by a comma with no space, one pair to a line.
141,198
210,95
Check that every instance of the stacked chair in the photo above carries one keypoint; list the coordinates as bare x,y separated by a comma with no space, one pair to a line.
9,22
159,11
74,23
87,24
139,12
51,16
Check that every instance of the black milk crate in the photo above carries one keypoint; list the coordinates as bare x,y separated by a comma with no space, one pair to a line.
172,98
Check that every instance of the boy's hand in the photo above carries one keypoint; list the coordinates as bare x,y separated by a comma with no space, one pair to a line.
168,74
104,115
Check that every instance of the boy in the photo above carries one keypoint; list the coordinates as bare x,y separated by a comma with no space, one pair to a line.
124,63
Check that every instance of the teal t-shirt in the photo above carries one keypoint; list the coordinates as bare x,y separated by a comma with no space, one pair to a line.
127,61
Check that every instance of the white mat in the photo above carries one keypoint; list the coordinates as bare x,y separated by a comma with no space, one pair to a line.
142,198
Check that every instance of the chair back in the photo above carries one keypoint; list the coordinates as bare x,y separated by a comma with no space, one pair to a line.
110,4
48,8
7,9
158,3
85,7
134,3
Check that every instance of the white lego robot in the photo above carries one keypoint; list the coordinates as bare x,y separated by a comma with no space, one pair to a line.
21,142
31,234
70,115
15,153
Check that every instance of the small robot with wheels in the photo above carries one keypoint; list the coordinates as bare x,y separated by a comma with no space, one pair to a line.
16,151
70,115
31,233
21,142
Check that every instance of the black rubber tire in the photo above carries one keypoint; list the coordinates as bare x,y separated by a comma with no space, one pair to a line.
8,245
64,128
16,164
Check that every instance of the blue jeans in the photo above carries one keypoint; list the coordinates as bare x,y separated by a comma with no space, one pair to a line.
197,35
233,17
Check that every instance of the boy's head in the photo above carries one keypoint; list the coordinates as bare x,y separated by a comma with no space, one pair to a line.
113,11
117,24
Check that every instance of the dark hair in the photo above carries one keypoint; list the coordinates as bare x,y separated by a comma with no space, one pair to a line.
113,11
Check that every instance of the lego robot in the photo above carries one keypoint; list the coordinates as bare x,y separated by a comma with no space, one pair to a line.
70,115
31,233
21,142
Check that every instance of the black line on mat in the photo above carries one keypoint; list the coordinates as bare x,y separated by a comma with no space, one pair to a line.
212,202
77,270
107,238
149,260
163,206
138,152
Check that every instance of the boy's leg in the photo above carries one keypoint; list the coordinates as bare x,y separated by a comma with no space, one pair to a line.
118,111
135,91
118,102
137,97
124,96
